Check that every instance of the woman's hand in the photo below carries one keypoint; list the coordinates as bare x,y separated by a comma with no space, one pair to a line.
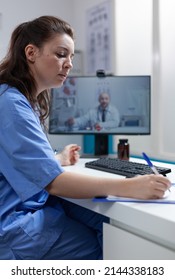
148,186
69,155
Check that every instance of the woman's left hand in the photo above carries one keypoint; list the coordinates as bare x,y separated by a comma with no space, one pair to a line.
69,155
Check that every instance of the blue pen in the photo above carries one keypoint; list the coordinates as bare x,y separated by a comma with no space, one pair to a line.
150,164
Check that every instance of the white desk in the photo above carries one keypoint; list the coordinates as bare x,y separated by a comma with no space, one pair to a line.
136,230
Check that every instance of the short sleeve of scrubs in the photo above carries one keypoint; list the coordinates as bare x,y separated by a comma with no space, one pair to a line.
27,159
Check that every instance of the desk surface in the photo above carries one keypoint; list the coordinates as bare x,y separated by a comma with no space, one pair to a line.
153,221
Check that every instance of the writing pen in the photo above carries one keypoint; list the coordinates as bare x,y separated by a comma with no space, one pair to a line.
153,168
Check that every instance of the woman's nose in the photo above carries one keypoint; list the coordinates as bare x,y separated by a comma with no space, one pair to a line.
68,63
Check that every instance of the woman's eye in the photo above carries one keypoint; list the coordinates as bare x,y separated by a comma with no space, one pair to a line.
60,55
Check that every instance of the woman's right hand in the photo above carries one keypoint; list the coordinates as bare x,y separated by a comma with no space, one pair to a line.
148,186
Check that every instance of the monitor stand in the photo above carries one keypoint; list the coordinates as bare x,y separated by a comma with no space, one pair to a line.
101,145
97,145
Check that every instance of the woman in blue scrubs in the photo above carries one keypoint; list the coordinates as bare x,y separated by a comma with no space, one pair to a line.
34,222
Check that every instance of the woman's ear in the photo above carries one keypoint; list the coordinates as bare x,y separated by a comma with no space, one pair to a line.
31,51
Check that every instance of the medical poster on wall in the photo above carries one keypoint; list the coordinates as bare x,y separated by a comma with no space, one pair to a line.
99,35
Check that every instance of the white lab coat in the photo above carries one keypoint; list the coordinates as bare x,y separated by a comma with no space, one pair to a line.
94,116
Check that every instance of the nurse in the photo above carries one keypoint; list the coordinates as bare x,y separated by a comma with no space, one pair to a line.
34,222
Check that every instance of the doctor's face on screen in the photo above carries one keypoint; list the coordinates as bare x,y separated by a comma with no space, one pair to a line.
104,100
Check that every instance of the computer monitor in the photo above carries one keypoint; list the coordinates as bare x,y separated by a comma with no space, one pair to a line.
77,107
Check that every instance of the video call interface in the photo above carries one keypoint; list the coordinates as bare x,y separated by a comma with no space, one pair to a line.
111,104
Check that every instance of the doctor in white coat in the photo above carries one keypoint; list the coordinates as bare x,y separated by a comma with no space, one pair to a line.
104,116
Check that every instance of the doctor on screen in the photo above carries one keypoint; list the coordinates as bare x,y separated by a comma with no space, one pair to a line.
104,116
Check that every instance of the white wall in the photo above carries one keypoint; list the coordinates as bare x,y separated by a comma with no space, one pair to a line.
134,53
166,81
147,46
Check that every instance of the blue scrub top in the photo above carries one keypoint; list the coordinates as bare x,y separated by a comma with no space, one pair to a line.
30,222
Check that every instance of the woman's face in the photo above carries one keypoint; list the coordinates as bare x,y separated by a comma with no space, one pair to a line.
51,64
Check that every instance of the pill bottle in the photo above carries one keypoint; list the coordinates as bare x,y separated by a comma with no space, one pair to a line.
123,149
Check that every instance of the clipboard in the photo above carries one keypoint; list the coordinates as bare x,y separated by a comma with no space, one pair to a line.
169,198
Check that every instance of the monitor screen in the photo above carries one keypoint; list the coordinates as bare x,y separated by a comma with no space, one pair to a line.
117,105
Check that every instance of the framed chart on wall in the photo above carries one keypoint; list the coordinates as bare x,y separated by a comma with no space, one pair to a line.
99,30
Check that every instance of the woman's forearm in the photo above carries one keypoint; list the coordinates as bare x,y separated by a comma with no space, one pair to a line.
75,185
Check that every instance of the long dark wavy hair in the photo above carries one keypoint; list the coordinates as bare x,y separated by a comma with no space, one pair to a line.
14,69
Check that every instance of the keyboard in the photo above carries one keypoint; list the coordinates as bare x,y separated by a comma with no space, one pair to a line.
123,167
